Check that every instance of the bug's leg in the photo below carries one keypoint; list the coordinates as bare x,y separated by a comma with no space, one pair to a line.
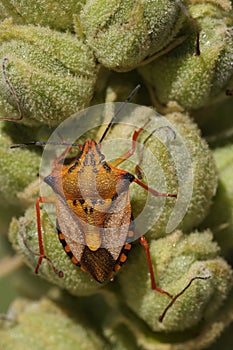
130,152
138,170
154,192
161,317
12,91
144,243
41,253
138,166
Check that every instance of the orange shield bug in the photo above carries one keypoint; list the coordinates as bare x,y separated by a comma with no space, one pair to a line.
93,209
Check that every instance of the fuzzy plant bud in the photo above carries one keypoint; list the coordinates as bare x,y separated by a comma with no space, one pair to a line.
204,172
36,12
52,74
196,81
170,157
176,259
18,169
177,141
122,34
24,230
180,163
221,213
44,325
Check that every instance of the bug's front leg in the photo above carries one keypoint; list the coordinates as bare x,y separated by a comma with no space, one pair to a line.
131,151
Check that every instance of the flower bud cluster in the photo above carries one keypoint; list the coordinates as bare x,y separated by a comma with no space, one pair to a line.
60,58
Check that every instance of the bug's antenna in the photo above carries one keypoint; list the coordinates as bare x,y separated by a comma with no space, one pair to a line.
161,317
41,143
131,95
194,23
13,92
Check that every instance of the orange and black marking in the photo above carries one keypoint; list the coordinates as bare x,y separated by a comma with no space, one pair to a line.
94,214
123,256
66,247
92,197
99,263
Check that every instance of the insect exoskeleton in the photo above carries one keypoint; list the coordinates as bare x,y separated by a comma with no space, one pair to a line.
94,221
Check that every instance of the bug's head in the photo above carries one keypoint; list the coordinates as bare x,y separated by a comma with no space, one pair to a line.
90,154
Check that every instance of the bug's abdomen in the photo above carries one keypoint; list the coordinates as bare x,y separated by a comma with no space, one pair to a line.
99,263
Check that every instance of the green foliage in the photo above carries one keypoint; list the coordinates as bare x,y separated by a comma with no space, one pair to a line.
60,58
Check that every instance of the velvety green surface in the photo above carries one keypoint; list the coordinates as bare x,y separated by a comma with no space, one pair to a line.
59,58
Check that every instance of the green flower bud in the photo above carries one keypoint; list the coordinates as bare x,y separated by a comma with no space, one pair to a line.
220,218
183,166
25,230
18,168
53,74
186,150
203,168
45,325
114,87
196,81
36,12
176,259
224,4
122,34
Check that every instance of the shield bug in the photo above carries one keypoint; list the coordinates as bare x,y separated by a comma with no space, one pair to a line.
94,216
